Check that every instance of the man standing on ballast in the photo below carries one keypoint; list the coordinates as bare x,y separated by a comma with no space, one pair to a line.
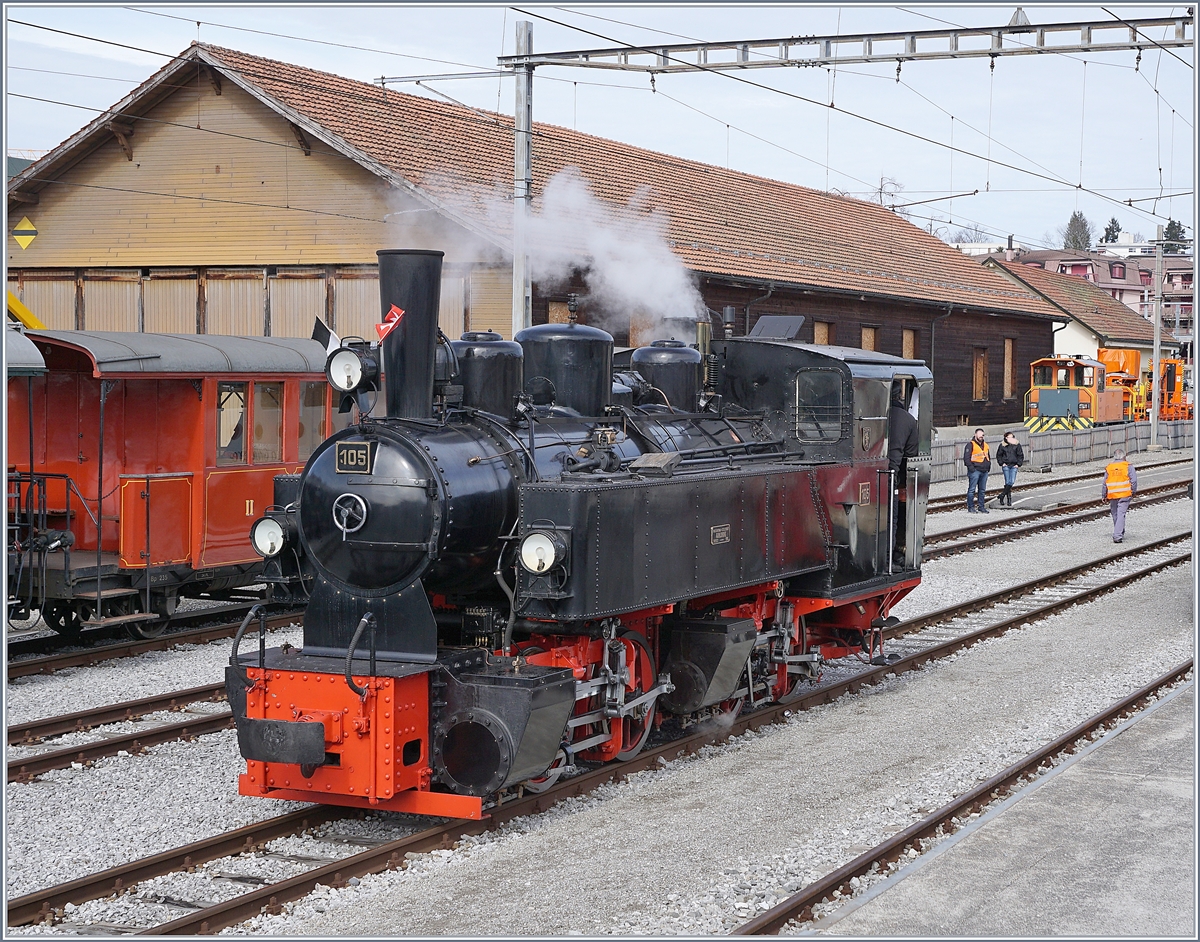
977,457
1120,484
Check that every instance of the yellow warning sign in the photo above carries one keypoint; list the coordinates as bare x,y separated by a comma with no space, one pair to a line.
24,232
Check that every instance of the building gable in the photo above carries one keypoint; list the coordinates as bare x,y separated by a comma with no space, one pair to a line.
221,180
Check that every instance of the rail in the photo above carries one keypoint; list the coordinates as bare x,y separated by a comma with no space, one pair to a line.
799,906
45,904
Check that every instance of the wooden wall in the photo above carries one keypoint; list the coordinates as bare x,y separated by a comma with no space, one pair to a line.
946,343
237,190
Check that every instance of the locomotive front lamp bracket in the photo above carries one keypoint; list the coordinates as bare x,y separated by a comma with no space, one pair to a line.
268,537
353,367
542,550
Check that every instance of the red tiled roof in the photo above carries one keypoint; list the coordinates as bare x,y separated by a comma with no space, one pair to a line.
719,221
1092,306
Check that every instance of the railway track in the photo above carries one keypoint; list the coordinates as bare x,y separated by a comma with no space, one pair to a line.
1006,528
945,504
25,769
46,905
206,633
799,907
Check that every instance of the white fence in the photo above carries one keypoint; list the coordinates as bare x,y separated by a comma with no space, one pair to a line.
1077,447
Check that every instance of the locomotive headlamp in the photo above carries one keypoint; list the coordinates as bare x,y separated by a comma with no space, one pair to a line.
352,367
268,537
542,550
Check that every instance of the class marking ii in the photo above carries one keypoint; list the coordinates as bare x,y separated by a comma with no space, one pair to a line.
353,457
718,535
249,508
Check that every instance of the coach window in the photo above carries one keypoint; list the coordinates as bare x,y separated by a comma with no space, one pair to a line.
818,405
231,421
312,417
268,422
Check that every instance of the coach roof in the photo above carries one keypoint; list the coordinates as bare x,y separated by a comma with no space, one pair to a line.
21,355
114,353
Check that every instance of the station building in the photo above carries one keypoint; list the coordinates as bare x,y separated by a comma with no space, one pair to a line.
232,194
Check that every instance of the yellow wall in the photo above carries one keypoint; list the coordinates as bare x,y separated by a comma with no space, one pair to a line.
237,192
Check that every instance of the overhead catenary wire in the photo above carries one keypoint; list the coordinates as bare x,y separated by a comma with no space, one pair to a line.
285,144
580,29
1049,51
1148,37
251,74
798,97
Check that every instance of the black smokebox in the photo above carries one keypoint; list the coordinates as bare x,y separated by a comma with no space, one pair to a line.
411,280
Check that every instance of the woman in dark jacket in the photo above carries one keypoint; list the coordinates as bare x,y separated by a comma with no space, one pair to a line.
1009,456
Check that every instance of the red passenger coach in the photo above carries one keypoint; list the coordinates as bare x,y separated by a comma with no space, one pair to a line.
182,435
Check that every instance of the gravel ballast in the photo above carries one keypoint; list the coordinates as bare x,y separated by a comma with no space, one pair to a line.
707,842
704,842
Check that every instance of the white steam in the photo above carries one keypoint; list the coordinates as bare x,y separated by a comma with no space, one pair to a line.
633,278
633,282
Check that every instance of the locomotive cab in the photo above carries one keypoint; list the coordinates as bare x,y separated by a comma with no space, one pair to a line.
830,405
1068,392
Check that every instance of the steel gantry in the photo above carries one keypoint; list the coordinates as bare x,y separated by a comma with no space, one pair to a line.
1018,38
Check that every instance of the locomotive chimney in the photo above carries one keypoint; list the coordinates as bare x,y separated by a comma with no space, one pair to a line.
411,280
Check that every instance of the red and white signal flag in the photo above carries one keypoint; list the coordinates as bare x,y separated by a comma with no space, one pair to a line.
389,322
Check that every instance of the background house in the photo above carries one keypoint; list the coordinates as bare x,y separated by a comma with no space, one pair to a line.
1096,318
232,194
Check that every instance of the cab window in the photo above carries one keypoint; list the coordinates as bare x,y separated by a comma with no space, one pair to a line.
818,405
1043,375
231,421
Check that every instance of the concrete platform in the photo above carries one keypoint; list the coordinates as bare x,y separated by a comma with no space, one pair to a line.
1105,848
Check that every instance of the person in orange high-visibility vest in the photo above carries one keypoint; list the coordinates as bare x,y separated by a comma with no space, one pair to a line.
977,456
1120,484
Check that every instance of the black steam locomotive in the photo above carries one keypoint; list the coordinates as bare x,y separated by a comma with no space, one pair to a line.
535,558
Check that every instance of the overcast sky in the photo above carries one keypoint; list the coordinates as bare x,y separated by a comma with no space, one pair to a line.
1123,129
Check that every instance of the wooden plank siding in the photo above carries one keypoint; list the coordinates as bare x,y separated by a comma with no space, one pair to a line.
490,300
50,295
944,343
169,304
237,190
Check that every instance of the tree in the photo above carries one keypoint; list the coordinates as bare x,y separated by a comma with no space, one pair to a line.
972,233
1173,232
889,189
1112,231
1077,233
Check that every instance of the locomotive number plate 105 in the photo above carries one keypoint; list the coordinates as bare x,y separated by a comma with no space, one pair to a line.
354,457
